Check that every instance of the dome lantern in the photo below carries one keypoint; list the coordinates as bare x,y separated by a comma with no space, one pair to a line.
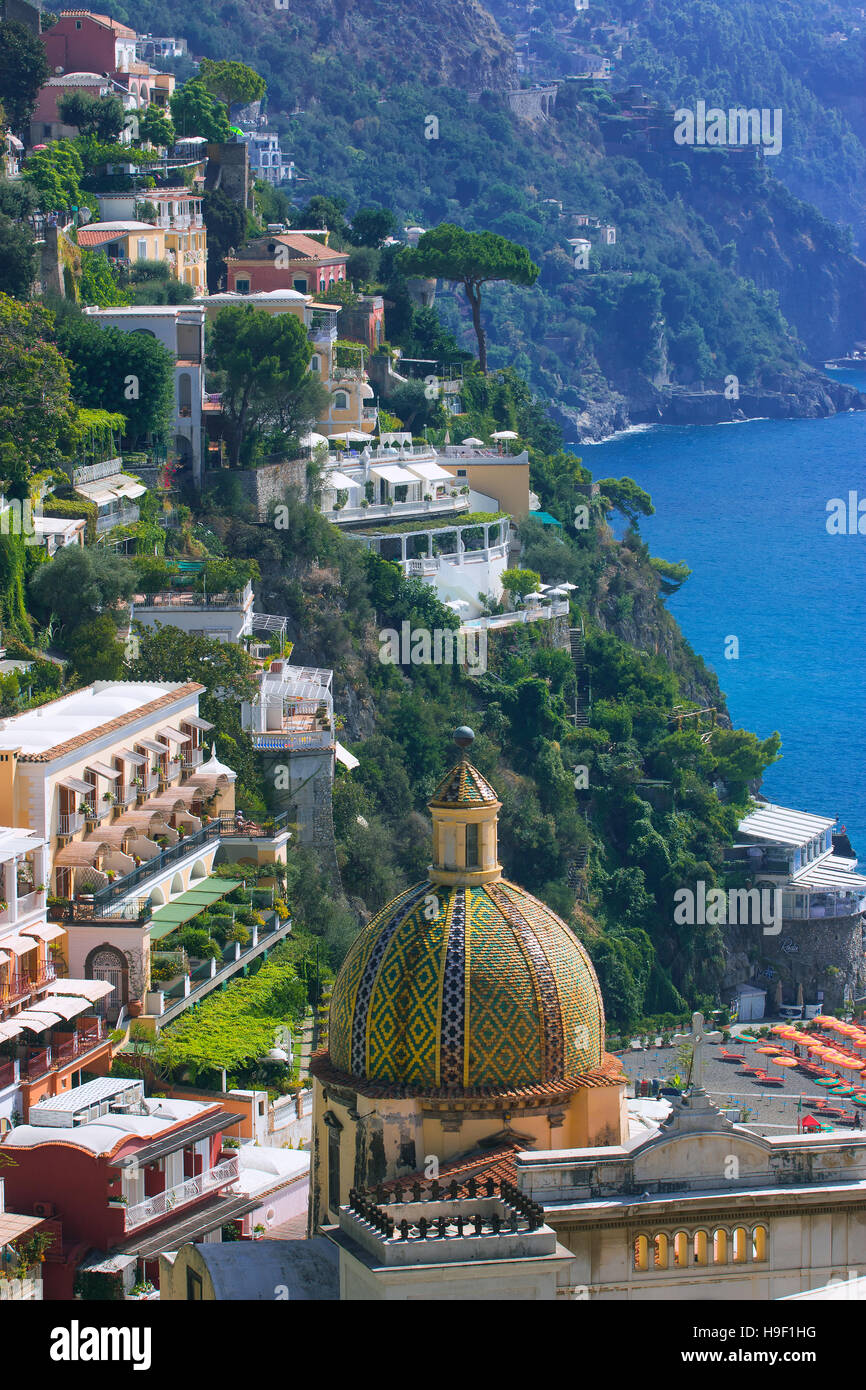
465,811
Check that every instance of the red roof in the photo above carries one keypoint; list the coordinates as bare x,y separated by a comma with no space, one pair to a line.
94,236
497,1163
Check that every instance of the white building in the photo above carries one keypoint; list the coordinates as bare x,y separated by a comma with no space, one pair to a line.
695,1207
180,328
463,561
224,617
267,160
391,481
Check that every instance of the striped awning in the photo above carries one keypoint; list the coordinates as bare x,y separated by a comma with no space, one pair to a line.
196,722
18,945
45,931
138,759
174,734
75,784
830,876
88,989
67,1005
37,1020
104,770
152,746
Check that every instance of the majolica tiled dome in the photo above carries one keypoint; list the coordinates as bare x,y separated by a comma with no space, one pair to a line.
466,987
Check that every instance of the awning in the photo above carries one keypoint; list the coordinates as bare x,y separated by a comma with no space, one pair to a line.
104,770
79,853
190,904
345,757
432,472
128,487
9,1030
66,1005
4,959
45,931
152,746
99,493
393,473
88,989
37,1019
337,480
825,875
196,722
75,784
18,945
137,759
174,734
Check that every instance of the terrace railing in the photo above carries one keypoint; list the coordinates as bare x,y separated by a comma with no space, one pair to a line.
163,1203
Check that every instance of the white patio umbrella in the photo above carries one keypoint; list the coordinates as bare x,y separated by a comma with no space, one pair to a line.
311,440
351,435
505,434
473,440
566,584
459,605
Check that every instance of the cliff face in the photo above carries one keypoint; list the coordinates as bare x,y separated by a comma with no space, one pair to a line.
455,42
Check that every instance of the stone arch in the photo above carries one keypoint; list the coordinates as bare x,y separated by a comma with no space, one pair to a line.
106,962
177,884
198,870
158,897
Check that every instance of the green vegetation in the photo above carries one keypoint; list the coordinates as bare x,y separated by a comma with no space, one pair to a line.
235,1028
472,259
261,361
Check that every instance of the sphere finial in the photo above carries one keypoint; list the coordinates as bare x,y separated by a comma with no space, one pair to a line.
464,737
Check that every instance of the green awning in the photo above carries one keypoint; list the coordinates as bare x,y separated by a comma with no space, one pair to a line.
545,518
167,919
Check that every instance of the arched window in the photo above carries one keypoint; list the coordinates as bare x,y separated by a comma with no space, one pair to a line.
472,860
681,1250
759,1243
660,1251
700,1247
641,1253
341,400
720,1247
315,364
741,1237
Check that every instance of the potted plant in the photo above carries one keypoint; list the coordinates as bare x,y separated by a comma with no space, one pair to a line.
258,1231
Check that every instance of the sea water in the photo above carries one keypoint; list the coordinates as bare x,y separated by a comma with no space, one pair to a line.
775,604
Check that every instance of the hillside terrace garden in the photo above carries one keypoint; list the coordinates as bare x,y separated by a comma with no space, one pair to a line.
232,1031
215,932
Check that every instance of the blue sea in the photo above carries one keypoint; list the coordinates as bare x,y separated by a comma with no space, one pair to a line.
745,505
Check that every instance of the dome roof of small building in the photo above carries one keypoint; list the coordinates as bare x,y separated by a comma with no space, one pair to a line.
214,768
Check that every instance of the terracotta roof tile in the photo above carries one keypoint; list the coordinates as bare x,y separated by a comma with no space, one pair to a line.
498,1163
59,750
609,1073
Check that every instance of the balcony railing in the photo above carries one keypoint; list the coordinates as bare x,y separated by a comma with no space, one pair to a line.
69,824
125,795
97,811
239,598
279,739
149,784
43,1060
163,1203
137,912
193,759
122,887
20,984
9,1071
30,902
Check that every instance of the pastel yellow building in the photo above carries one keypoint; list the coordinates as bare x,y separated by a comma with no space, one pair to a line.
465,1014
351,404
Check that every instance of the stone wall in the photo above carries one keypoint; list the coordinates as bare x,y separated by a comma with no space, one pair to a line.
819,953
262,486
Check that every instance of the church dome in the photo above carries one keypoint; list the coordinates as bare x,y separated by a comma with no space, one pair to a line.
466,982
466,988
